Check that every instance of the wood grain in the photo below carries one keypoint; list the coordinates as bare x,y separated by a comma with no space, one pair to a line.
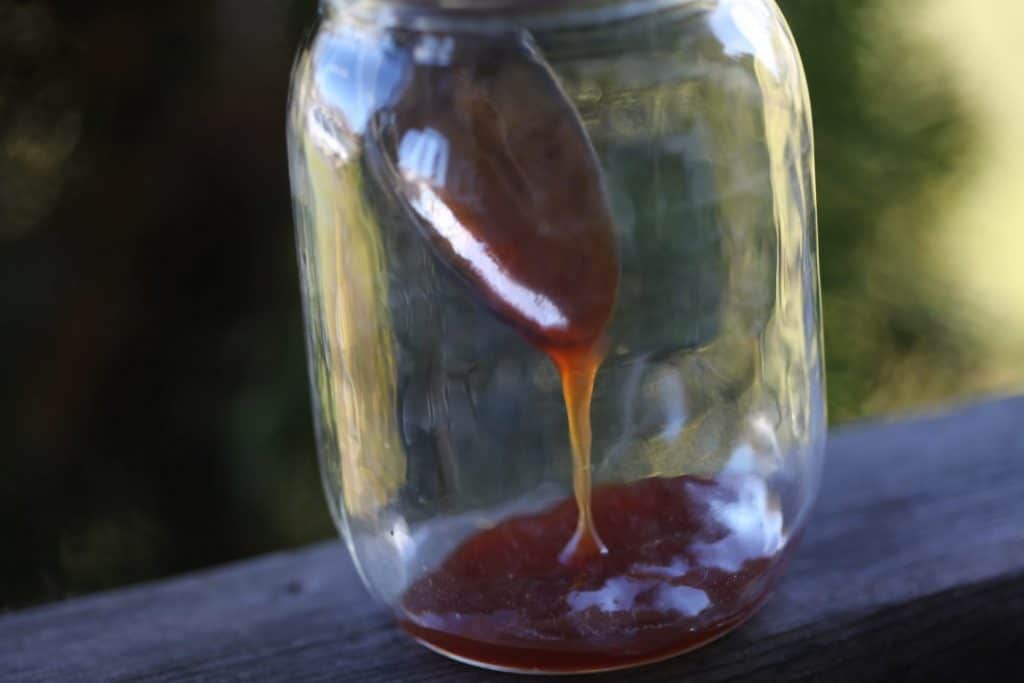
911,568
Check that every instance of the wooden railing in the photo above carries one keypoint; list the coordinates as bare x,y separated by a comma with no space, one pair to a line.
912,567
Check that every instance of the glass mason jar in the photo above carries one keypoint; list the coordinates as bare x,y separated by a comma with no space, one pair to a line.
560,278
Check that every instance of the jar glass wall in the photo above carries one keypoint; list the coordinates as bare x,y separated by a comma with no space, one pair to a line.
442,154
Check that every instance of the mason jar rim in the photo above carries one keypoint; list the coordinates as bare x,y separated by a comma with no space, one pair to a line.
497,14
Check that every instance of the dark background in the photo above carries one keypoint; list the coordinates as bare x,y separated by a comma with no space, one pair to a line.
155,409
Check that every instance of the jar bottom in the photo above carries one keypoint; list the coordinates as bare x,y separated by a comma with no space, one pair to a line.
689,560
526,661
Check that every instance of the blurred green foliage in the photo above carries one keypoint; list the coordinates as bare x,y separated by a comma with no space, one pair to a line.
156,417
890,136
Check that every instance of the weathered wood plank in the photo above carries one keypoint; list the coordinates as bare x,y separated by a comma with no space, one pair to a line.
912,565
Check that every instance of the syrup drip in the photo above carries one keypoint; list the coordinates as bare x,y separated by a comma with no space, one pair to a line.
493,164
